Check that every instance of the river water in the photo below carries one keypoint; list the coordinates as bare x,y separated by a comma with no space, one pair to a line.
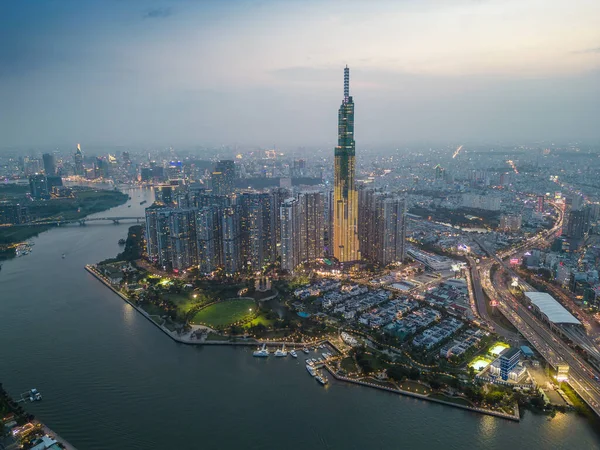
112,380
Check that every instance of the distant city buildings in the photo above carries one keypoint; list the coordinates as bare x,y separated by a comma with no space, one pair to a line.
478,201
511,223
49,164
78,162
223,178
13,213
38,186
213,226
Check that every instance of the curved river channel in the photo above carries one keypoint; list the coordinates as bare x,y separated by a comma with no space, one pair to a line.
112,380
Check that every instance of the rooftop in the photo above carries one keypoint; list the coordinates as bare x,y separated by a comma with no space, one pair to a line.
554,311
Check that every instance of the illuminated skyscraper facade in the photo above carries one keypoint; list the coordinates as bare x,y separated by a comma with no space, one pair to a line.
78,158
382,226
311,227
290,236
345,207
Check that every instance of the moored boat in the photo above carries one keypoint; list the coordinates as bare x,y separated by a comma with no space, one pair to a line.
281,351
322,379
261,352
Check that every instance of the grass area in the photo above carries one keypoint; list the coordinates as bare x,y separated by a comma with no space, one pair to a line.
259,320
183,302
457,400
413,386
348,365
152,310
580,406
224,313
216,337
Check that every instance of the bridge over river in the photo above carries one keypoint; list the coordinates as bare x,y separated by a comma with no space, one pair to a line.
82,221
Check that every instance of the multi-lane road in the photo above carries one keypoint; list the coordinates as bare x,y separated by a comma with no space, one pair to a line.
553,349
582,377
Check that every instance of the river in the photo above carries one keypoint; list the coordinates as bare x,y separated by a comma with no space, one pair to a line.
112,380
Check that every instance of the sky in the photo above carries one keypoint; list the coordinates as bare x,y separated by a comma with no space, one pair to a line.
270,73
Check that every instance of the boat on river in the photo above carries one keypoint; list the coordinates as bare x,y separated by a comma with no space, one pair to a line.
262,352
281,352
322,379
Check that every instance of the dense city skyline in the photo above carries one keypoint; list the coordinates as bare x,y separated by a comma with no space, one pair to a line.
174,167
138,73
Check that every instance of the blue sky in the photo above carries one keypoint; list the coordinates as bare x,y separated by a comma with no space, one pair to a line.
129,72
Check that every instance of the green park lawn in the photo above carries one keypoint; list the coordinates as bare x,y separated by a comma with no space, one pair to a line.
224,313
183,302
259,320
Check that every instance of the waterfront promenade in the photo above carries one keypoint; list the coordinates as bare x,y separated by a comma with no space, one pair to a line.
253,342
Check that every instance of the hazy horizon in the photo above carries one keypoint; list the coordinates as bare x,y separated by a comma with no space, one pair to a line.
266,73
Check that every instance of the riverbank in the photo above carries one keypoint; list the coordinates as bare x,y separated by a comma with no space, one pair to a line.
253,342
514,417
21,427
83,203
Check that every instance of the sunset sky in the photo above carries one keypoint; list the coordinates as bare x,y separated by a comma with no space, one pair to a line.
270,72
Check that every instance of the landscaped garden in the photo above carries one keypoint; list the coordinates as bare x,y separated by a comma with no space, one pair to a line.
225,313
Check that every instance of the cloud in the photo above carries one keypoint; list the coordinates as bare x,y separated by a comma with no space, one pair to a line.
588,50
158,13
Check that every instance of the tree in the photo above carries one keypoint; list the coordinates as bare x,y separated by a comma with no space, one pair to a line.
435,384
538,402
494,397
414,373
397,373
474,393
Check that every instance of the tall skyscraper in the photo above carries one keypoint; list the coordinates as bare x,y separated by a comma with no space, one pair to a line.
230,229
578,223
49,164
345,214
183,239
158,236
278,195
256,222
208,235
311,228
382,228
392,230
290,256
78,159
223,178
38,185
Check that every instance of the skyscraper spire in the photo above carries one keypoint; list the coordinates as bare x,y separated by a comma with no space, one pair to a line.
345,209
346,84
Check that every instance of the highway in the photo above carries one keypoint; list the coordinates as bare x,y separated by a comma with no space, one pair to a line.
480,301
550,346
